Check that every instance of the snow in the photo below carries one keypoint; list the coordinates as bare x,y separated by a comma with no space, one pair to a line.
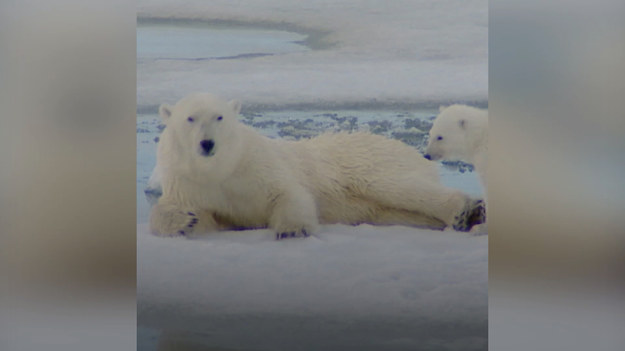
383,52
406,284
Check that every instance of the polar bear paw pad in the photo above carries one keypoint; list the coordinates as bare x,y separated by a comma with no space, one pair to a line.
190,225
285,235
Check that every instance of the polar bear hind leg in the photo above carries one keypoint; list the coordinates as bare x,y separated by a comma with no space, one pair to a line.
431,202
393,216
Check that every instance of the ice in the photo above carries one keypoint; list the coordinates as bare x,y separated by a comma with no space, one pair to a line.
195,42
410,52
380,66
363,287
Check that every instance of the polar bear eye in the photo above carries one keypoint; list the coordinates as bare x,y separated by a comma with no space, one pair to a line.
220,118
190,119
439,138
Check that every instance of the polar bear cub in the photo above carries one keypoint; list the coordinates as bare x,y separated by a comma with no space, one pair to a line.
460,133
219,174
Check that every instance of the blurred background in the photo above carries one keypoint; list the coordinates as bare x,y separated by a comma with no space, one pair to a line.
557,195
67,201
556,191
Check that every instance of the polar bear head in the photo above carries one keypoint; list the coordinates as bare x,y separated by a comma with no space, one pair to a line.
199,124
459,132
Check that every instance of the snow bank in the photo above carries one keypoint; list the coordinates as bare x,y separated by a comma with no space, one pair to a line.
364,287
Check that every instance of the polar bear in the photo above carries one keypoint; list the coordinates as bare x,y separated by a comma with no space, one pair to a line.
219,174
460,133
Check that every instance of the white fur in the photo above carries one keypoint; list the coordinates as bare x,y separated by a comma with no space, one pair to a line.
251,181
464,132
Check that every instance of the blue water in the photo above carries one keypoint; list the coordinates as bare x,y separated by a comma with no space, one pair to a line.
197,42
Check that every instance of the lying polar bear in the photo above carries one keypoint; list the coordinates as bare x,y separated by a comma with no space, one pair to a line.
219,174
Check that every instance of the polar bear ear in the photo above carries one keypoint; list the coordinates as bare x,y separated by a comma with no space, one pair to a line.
165,111
462,123
441,108
235,105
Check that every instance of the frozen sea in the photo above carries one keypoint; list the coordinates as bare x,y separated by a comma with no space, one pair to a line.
301,69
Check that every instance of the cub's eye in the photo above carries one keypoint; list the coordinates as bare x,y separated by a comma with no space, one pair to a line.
190,119
220,118
439,138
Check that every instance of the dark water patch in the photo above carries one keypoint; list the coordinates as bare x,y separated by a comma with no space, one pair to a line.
417,139
422,125
379,127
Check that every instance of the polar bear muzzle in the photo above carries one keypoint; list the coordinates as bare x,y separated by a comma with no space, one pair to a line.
207,147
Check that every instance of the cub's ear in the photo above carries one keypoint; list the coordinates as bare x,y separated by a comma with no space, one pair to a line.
441,108
462,123
165,111
235,105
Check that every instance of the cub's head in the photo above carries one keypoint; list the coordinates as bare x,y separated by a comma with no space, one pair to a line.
454,134
200,124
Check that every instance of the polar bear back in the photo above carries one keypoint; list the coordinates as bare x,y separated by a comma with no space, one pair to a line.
360,157
339,169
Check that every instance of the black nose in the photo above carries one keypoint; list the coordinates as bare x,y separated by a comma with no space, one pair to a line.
427,156
207,146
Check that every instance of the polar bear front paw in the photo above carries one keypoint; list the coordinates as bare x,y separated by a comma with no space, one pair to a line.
167,220
294,216
292,234
191,222
474,213
286,230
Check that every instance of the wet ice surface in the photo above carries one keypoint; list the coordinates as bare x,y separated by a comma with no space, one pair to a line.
192,42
